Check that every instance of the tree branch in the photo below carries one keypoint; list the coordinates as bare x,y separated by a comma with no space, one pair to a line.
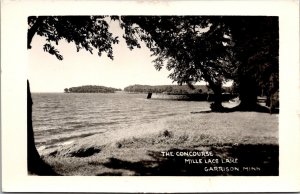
32,31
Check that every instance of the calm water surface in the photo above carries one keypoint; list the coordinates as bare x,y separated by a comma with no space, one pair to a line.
59,118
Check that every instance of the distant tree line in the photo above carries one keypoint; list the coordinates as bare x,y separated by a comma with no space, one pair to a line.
91,89
173,89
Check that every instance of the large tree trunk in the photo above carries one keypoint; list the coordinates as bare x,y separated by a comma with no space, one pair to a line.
217,106
35,164
248,92
32,153
216,87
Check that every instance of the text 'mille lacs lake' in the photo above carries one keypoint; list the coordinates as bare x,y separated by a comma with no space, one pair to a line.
104,110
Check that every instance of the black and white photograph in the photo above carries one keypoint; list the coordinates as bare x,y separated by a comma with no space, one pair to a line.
101,103
163,95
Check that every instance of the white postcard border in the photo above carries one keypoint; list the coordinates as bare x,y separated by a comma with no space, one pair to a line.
13,97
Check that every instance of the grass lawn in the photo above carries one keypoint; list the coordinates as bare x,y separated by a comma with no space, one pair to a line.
202,144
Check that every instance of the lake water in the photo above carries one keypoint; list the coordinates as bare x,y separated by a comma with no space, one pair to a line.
59,118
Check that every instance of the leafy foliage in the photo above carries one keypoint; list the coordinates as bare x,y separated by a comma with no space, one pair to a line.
185,44
50,49
214,49
87,32
195,48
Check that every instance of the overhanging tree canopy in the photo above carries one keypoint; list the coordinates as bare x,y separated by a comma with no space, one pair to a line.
210,48
214,49
87,32
195,48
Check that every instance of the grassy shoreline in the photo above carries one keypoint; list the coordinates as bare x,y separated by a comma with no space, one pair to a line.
249,137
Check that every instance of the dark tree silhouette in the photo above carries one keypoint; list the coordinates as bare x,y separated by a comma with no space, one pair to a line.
256,53
214,49
194,47
87,32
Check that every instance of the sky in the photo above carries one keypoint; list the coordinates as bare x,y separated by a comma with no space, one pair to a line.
48,74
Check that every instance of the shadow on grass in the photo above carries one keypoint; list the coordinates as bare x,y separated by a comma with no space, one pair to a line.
41,168
252,160
257,108
111,174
